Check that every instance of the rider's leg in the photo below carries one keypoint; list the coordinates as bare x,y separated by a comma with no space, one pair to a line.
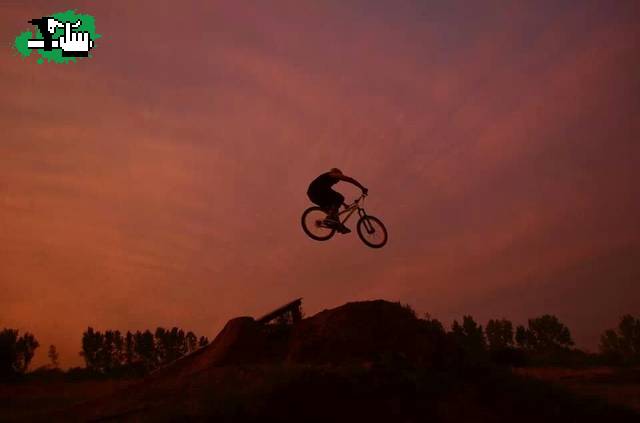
332,214
335,207
323,199
331,205
337,200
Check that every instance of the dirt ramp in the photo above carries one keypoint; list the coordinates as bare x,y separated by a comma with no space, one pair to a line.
240,341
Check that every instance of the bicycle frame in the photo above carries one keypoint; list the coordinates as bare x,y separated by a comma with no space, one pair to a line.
351,208
369,228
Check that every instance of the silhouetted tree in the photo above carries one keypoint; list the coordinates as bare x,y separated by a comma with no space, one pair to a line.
8,352
119,356
26,346
521,337
547,334
432,325
53,356
499,334
91,349
145,349
129,352
16,352
170,344
501,343
470,338
107,352
622,345
191,341
546,340
161,347
179,341
203,342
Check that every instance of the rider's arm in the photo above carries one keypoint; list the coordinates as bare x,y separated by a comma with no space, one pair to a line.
352,181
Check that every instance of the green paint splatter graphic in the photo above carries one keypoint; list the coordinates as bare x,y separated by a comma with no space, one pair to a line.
21,44
55,55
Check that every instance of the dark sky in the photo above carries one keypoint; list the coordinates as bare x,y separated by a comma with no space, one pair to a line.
162,181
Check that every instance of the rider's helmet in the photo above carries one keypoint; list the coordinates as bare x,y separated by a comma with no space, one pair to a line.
336,170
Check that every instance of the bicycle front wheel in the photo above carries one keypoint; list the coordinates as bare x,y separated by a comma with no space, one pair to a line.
372,231
313,224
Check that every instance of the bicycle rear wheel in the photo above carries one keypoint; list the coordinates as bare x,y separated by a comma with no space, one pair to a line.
313,226
372,231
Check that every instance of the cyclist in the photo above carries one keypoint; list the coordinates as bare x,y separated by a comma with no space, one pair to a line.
320,193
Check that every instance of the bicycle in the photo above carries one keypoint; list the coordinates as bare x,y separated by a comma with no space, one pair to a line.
370,229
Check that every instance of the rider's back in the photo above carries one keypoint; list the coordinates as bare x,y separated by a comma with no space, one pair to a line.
323,182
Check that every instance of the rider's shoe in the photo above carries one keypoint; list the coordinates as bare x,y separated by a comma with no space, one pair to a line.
343,229
332,222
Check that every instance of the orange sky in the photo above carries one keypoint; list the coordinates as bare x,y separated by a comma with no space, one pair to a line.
162,181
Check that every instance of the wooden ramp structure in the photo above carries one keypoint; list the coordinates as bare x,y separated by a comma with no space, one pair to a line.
238,336
291,312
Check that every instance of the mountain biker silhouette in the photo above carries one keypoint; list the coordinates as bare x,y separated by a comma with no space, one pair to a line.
320,193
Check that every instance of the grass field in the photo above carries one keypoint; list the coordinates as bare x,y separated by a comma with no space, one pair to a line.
24,401
313,393
615,385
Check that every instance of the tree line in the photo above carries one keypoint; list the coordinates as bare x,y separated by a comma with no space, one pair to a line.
545,340
108,353
112,352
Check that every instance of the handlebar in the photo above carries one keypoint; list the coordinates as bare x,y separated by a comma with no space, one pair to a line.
362,197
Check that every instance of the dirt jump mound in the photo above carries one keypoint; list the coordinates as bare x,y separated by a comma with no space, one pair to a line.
355,332
360,331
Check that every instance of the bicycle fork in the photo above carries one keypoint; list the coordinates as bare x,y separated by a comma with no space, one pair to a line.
367,225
